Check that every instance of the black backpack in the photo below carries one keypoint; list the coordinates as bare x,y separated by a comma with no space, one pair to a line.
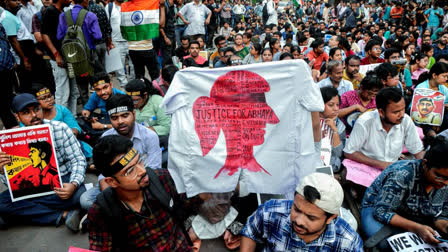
111,206
265,15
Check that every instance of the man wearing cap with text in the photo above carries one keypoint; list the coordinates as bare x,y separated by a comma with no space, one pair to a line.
54,209
309,223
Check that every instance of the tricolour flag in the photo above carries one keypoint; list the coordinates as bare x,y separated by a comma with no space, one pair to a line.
140,20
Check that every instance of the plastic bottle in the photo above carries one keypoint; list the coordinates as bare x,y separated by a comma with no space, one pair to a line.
150,122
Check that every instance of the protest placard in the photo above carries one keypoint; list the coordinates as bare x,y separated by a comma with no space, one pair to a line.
360,174
410,242
366,68
427,107
252,120
33,170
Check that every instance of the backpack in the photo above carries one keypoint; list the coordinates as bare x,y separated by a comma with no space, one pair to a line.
265,15
309,11
6,57
75,49
110,205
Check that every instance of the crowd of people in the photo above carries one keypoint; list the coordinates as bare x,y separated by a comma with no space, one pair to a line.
120,132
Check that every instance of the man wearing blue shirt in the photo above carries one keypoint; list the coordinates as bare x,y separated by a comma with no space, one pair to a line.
309,223
104,90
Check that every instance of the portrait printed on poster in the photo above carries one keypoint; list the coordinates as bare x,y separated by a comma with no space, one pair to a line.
427,107
33,171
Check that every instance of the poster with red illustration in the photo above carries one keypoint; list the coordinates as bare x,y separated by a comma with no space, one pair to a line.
244,126
33,171
427,107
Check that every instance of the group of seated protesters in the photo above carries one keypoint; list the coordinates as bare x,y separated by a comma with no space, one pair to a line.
134,206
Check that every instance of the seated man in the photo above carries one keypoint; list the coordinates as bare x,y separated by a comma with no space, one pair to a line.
57,208
224,59
373,50
335,71
194,49
182,50
129,215
220,42
378,136
104,90
145,141
309,223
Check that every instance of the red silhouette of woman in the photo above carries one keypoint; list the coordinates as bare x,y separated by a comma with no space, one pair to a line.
237,106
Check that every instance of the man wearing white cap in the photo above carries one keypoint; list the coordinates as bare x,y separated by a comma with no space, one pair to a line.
309,223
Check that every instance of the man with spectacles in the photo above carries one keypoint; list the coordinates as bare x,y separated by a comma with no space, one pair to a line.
373,52
128,216
146,142
220,42
54,209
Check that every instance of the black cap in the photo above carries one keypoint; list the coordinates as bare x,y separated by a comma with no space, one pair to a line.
21,101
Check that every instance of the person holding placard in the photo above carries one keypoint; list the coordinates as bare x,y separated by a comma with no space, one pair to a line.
410,195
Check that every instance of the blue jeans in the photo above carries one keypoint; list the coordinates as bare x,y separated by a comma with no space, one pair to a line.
180,29
89,197
370,226
42,210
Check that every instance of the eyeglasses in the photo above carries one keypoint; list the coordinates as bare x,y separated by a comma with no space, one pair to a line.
132,173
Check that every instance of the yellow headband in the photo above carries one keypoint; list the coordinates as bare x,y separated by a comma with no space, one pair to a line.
133,93
43,92
99,83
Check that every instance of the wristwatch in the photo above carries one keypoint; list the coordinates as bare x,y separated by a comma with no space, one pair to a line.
105,126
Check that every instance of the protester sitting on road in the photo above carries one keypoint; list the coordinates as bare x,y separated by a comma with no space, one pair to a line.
56,112
378,136
58,208
409,196
332,126
351,71
254,56
360,100
129,215
308,223
335,70
224,59
266,54
193,49
104,90
373,52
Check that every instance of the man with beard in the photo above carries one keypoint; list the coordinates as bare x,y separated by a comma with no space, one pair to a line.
104,90
373,50
309,223
378,136
146,142
54,209
335,72
194,53
129,216
440,48
351,72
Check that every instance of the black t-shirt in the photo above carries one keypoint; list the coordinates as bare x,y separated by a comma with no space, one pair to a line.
214,17
49,26
169,20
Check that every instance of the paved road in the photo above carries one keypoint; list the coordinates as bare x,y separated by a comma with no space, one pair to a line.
43,239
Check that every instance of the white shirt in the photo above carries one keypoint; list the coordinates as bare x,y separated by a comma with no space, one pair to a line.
370,138
343,87
239,9
196,15
26,13
115,21
272,13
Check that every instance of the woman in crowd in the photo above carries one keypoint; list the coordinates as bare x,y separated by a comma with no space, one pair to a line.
274,44
334,54
332,126
429,51
56,112
247,39
254,56
240,49
295,51
409,196
361,100
417,66
266,55
438,76
286,56
201,43
408,50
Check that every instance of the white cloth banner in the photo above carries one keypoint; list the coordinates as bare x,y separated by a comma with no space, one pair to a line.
410,242
253,119
113,60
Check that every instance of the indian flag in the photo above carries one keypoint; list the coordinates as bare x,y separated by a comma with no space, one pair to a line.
140,19
297,2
